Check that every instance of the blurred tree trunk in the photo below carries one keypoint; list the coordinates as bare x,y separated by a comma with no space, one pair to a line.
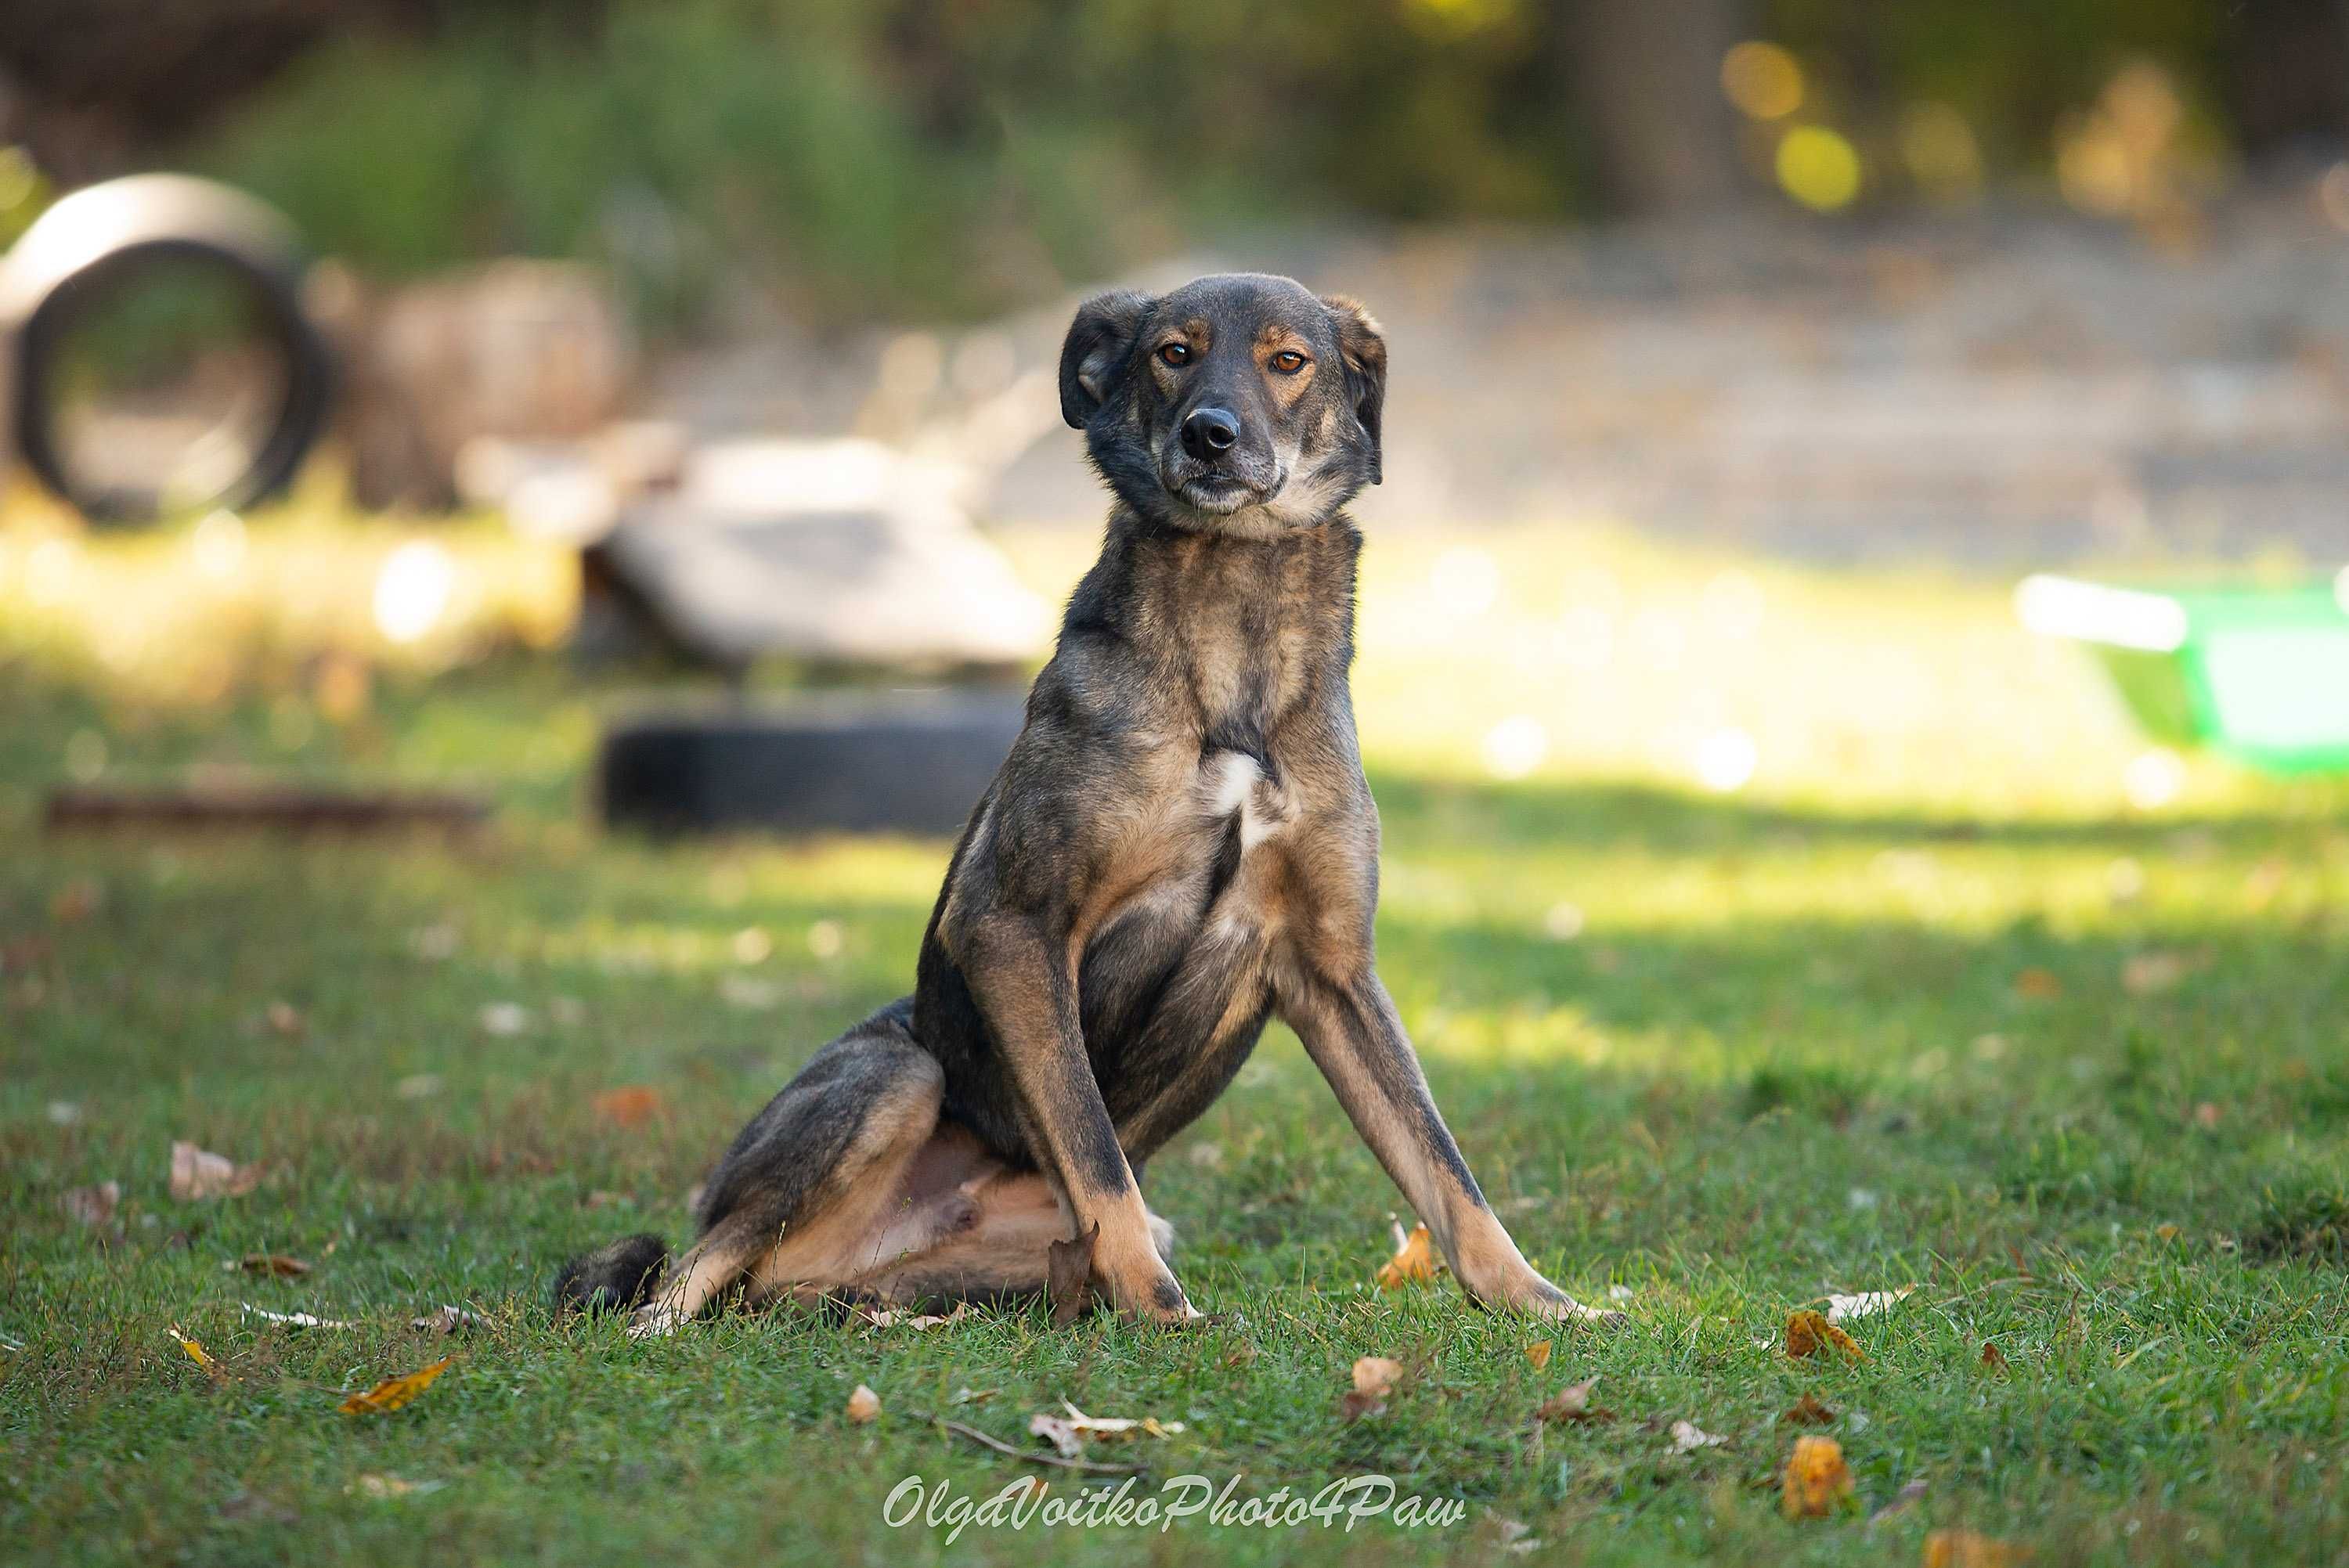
2290,77
1650,71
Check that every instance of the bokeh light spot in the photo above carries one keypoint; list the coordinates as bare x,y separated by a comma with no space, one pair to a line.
1762,79
1515,746
1818,167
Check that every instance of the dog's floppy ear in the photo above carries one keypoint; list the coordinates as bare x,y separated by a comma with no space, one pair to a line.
1365,355
1093,359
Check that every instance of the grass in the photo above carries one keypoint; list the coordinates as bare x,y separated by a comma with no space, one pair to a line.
1925,1004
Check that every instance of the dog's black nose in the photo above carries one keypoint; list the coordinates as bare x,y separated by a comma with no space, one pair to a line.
1210,432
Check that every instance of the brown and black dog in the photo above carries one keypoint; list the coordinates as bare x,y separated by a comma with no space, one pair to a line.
1180,846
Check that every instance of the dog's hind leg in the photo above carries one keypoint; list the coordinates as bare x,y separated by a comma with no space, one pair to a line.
824,1158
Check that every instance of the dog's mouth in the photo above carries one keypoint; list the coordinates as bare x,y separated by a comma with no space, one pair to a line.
1220,494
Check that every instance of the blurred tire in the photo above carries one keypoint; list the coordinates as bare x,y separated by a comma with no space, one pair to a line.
94,239
915,763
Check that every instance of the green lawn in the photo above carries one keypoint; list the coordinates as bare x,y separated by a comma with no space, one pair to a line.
1926,1003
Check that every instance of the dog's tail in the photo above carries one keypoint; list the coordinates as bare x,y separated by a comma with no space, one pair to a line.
618,1278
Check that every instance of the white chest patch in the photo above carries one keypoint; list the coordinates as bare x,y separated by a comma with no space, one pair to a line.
1236,786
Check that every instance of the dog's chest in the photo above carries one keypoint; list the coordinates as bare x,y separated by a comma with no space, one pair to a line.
1243,792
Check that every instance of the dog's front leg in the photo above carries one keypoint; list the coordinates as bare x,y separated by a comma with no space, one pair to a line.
1027,996
1349,1029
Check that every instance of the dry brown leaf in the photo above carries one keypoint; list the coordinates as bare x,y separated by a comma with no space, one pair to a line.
1375,1379
1992,1358
286,1018
1807,1411
1817,1481
394,1392
1688,1436
277,1264
77,902
198,1173
1068,1276
2039,984
864,1406
93,1205
1808,1333
1964,1549
631,1105
1538,1353
1413,1262
1572,1403
2150,974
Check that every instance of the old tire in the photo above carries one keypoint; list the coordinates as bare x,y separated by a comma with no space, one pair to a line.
93,240
901,763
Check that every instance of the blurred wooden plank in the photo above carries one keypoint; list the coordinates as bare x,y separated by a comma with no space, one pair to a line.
274,806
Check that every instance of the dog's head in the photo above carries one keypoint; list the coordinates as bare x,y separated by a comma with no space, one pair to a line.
1238,404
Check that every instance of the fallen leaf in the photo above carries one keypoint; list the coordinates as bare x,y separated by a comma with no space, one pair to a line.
196,1353
1056,1430
1572,1403
1516,1536
973,1395
632,1105
1413,1262
1867,1303
370,1484
93,1205
447,1320
1808,1333
2150,974
1807,1411
2165,1233
77,902
864,1406
1375,1379
1993,1357
894,1319
292,1320
394,1392
198,1173
286,1018
1817,1481
277,1264
2206,1114
1110,1428
1538,1353
1964,1549
1068,1276
2039,984
1908,1497
1688,1436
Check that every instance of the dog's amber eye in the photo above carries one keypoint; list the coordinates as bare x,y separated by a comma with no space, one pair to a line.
1288,362
1175,353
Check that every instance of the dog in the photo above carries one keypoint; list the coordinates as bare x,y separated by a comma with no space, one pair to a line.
1180,846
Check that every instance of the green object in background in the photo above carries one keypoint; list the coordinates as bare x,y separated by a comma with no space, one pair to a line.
2261,674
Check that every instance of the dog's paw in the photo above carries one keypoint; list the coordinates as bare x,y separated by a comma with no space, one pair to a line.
655,1321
